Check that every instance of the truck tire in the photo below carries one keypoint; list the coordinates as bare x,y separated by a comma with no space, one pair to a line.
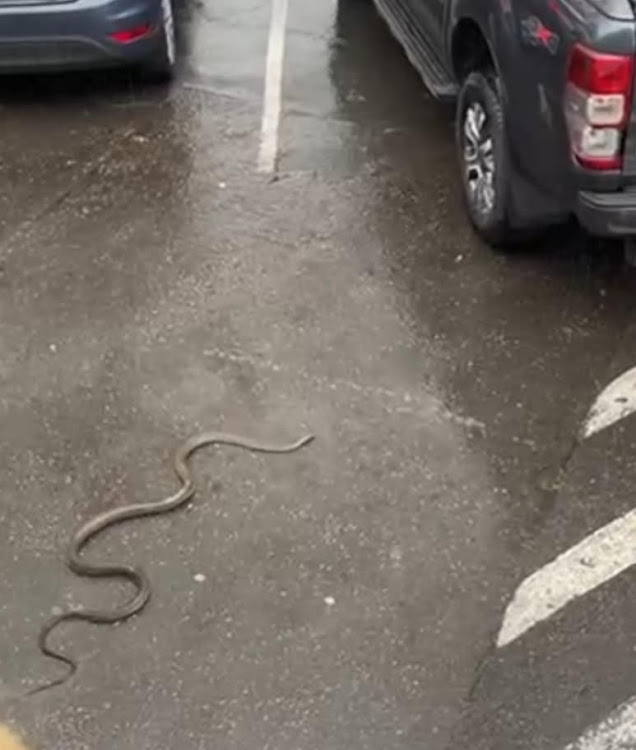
484,159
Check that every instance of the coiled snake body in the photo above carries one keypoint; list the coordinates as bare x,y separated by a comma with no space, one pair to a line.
134,575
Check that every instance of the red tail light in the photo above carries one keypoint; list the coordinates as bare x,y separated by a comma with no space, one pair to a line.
597,106
600,73
125,36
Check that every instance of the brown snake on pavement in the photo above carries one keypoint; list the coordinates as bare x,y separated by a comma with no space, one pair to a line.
136,576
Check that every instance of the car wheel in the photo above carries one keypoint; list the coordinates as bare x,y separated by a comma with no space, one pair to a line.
484,159
161,67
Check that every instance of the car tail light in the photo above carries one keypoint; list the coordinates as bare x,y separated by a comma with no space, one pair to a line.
597,106
125,36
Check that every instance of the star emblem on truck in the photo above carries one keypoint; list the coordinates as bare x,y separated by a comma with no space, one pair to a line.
537,34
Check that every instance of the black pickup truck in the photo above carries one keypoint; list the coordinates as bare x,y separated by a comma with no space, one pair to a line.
545,114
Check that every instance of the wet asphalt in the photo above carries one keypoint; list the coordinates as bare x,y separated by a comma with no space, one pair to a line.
153,284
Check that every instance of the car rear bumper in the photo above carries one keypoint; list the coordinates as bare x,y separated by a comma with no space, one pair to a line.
61,36
607,214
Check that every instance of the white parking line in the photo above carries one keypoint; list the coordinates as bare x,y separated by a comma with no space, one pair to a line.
268,151
617,732
616,402
599,557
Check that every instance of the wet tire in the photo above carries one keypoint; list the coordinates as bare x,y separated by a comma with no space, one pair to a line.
162,65
484,159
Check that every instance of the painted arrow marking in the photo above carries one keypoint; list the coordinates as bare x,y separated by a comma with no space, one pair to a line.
594,560
616,732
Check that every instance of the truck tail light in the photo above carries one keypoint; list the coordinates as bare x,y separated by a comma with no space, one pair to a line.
597,106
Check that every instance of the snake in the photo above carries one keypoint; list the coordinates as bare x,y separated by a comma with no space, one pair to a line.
135,575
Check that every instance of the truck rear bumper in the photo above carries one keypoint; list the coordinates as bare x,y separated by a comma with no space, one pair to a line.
607,214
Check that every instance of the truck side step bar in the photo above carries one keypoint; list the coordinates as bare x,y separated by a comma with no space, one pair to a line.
418,49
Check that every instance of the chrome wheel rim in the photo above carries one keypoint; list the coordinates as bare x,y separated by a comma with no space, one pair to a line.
479,159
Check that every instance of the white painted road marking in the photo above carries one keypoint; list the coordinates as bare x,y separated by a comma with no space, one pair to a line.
616,402
599,557
617,732
268,151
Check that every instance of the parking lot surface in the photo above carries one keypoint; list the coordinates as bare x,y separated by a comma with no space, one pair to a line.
155,282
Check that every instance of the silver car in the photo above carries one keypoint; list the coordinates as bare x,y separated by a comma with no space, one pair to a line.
40,35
